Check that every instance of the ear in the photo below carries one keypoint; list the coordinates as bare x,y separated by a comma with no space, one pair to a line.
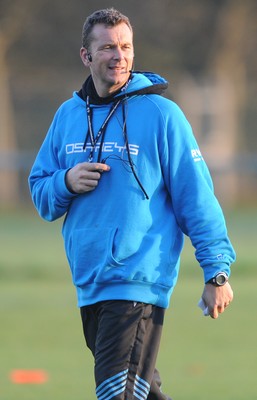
84,56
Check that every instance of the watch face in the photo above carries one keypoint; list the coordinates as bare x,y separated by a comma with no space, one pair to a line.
221,279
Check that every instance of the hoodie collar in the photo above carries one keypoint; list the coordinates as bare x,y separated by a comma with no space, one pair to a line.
139,83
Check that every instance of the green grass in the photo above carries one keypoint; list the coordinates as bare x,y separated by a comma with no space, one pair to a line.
40,325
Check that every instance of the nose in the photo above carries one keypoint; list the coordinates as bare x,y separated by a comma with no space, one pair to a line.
118,53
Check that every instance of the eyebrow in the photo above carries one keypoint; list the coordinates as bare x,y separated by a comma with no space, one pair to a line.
114,44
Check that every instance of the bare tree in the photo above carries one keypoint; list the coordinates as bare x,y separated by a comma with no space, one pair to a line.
15,16
229,67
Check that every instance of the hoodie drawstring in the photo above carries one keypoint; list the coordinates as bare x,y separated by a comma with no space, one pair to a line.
128,150
101,134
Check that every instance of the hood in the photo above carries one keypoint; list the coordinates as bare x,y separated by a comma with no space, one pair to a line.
139,83
144,83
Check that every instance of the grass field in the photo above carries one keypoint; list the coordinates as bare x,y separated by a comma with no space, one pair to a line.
40,325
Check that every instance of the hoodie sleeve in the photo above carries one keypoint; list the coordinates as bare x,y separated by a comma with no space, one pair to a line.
47,180
197,210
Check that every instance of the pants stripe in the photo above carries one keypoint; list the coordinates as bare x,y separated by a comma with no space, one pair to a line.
112,386
141,388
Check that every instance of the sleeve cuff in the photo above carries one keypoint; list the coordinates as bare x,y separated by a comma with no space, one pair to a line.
60,186
209,273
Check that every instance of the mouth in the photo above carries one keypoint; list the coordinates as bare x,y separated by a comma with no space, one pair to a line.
118,69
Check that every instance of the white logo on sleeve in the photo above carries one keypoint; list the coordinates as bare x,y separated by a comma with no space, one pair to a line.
196,154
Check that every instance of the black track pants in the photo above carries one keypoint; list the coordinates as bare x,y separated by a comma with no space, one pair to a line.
124,337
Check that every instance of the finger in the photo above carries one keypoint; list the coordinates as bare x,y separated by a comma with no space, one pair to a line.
85,176
87,186
221,309
91,176
100,167
214,313
92,182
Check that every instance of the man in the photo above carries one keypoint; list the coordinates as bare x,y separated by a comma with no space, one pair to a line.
122,164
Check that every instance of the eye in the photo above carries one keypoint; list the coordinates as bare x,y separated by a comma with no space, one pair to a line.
107,47
126,47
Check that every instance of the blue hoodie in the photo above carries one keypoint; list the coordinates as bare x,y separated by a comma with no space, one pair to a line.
123,240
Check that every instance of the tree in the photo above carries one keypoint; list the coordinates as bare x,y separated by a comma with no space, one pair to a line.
13,20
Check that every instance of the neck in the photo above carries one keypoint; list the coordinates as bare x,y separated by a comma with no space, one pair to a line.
108,92
88,89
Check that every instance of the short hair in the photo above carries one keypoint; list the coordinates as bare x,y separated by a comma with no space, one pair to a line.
108,17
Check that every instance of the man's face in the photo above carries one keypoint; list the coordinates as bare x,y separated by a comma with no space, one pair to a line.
112,55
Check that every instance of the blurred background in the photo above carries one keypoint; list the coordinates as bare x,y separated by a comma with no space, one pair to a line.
205,49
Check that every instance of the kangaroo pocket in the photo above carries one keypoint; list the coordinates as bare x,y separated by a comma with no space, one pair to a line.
91,255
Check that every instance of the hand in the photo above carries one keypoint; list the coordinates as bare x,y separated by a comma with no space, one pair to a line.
217,298
84,177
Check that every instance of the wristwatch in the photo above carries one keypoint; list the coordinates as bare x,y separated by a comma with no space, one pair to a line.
219,280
